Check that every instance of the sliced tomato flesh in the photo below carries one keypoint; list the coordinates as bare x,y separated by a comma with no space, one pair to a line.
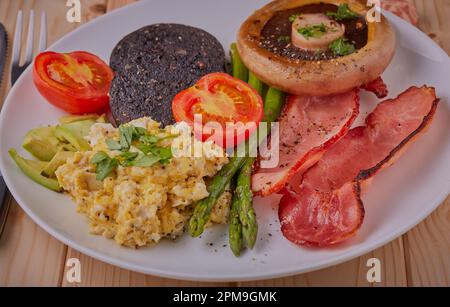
225,101
76,82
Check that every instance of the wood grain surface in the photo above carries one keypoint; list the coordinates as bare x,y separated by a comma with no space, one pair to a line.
30,257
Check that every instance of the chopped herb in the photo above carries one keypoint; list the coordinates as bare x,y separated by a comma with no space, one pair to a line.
113,145
164,153
313,31
99,157
149,139
105,165
145,148
139,137
126,136
341,47
138,131
153,139
292,18
127,158
342,13
284,39
146,161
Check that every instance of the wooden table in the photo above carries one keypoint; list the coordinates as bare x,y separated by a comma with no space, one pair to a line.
29,256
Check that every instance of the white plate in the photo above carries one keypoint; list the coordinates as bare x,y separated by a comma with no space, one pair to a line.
399,198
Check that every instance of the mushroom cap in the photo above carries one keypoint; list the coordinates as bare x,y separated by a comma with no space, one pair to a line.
318,78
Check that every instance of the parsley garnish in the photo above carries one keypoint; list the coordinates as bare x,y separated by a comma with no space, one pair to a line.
105,165
343,12
113,145
146,161
127,158
313,31
130,134
150,153
341,46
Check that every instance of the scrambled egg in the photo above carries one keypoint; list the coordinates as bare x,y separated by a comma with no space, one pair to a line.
138,206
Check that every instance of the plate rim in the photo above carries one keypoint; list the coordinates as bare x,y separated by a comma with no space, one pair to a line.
346,256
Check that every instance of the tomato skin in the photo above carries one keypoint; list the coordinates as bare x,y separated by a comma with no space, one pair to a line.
242,104
75,100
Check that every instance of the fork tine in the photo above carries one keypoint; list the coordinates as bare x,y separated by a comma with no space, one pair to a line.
43,32
17,39
30,39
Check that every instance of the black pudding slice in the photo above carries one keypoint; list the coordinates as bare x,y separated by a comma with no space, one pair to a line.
157,62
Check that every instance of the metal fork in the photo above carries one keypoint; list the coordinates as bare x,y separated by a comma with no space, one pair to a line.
16,71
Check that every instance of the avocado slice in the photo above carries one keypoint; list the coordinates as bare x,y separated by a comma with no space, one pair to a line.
42,143
72,136
80,129
59,159
33,170
78,118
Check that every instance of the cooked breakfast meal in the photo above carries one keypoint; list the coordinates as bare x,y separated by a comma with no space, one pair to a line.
178,155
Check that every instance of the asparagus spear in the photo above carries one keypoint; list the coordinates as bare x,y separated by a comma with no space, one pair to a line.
273,105
202,212
243,193
235,226
272,109
247,214
240,71
256,83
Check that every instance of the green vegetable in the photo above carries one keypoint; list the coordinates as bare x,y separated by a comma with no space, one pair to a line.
313,31
146,161
130,135
80,129
243,227
341,47
273,105
164,153
67,134
59,159
105,165
235,227
113,145
202,211
342,13
33,170
254,82
126,134
77,118
99,157
244,195
239,69
127,158
42,143
149,139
